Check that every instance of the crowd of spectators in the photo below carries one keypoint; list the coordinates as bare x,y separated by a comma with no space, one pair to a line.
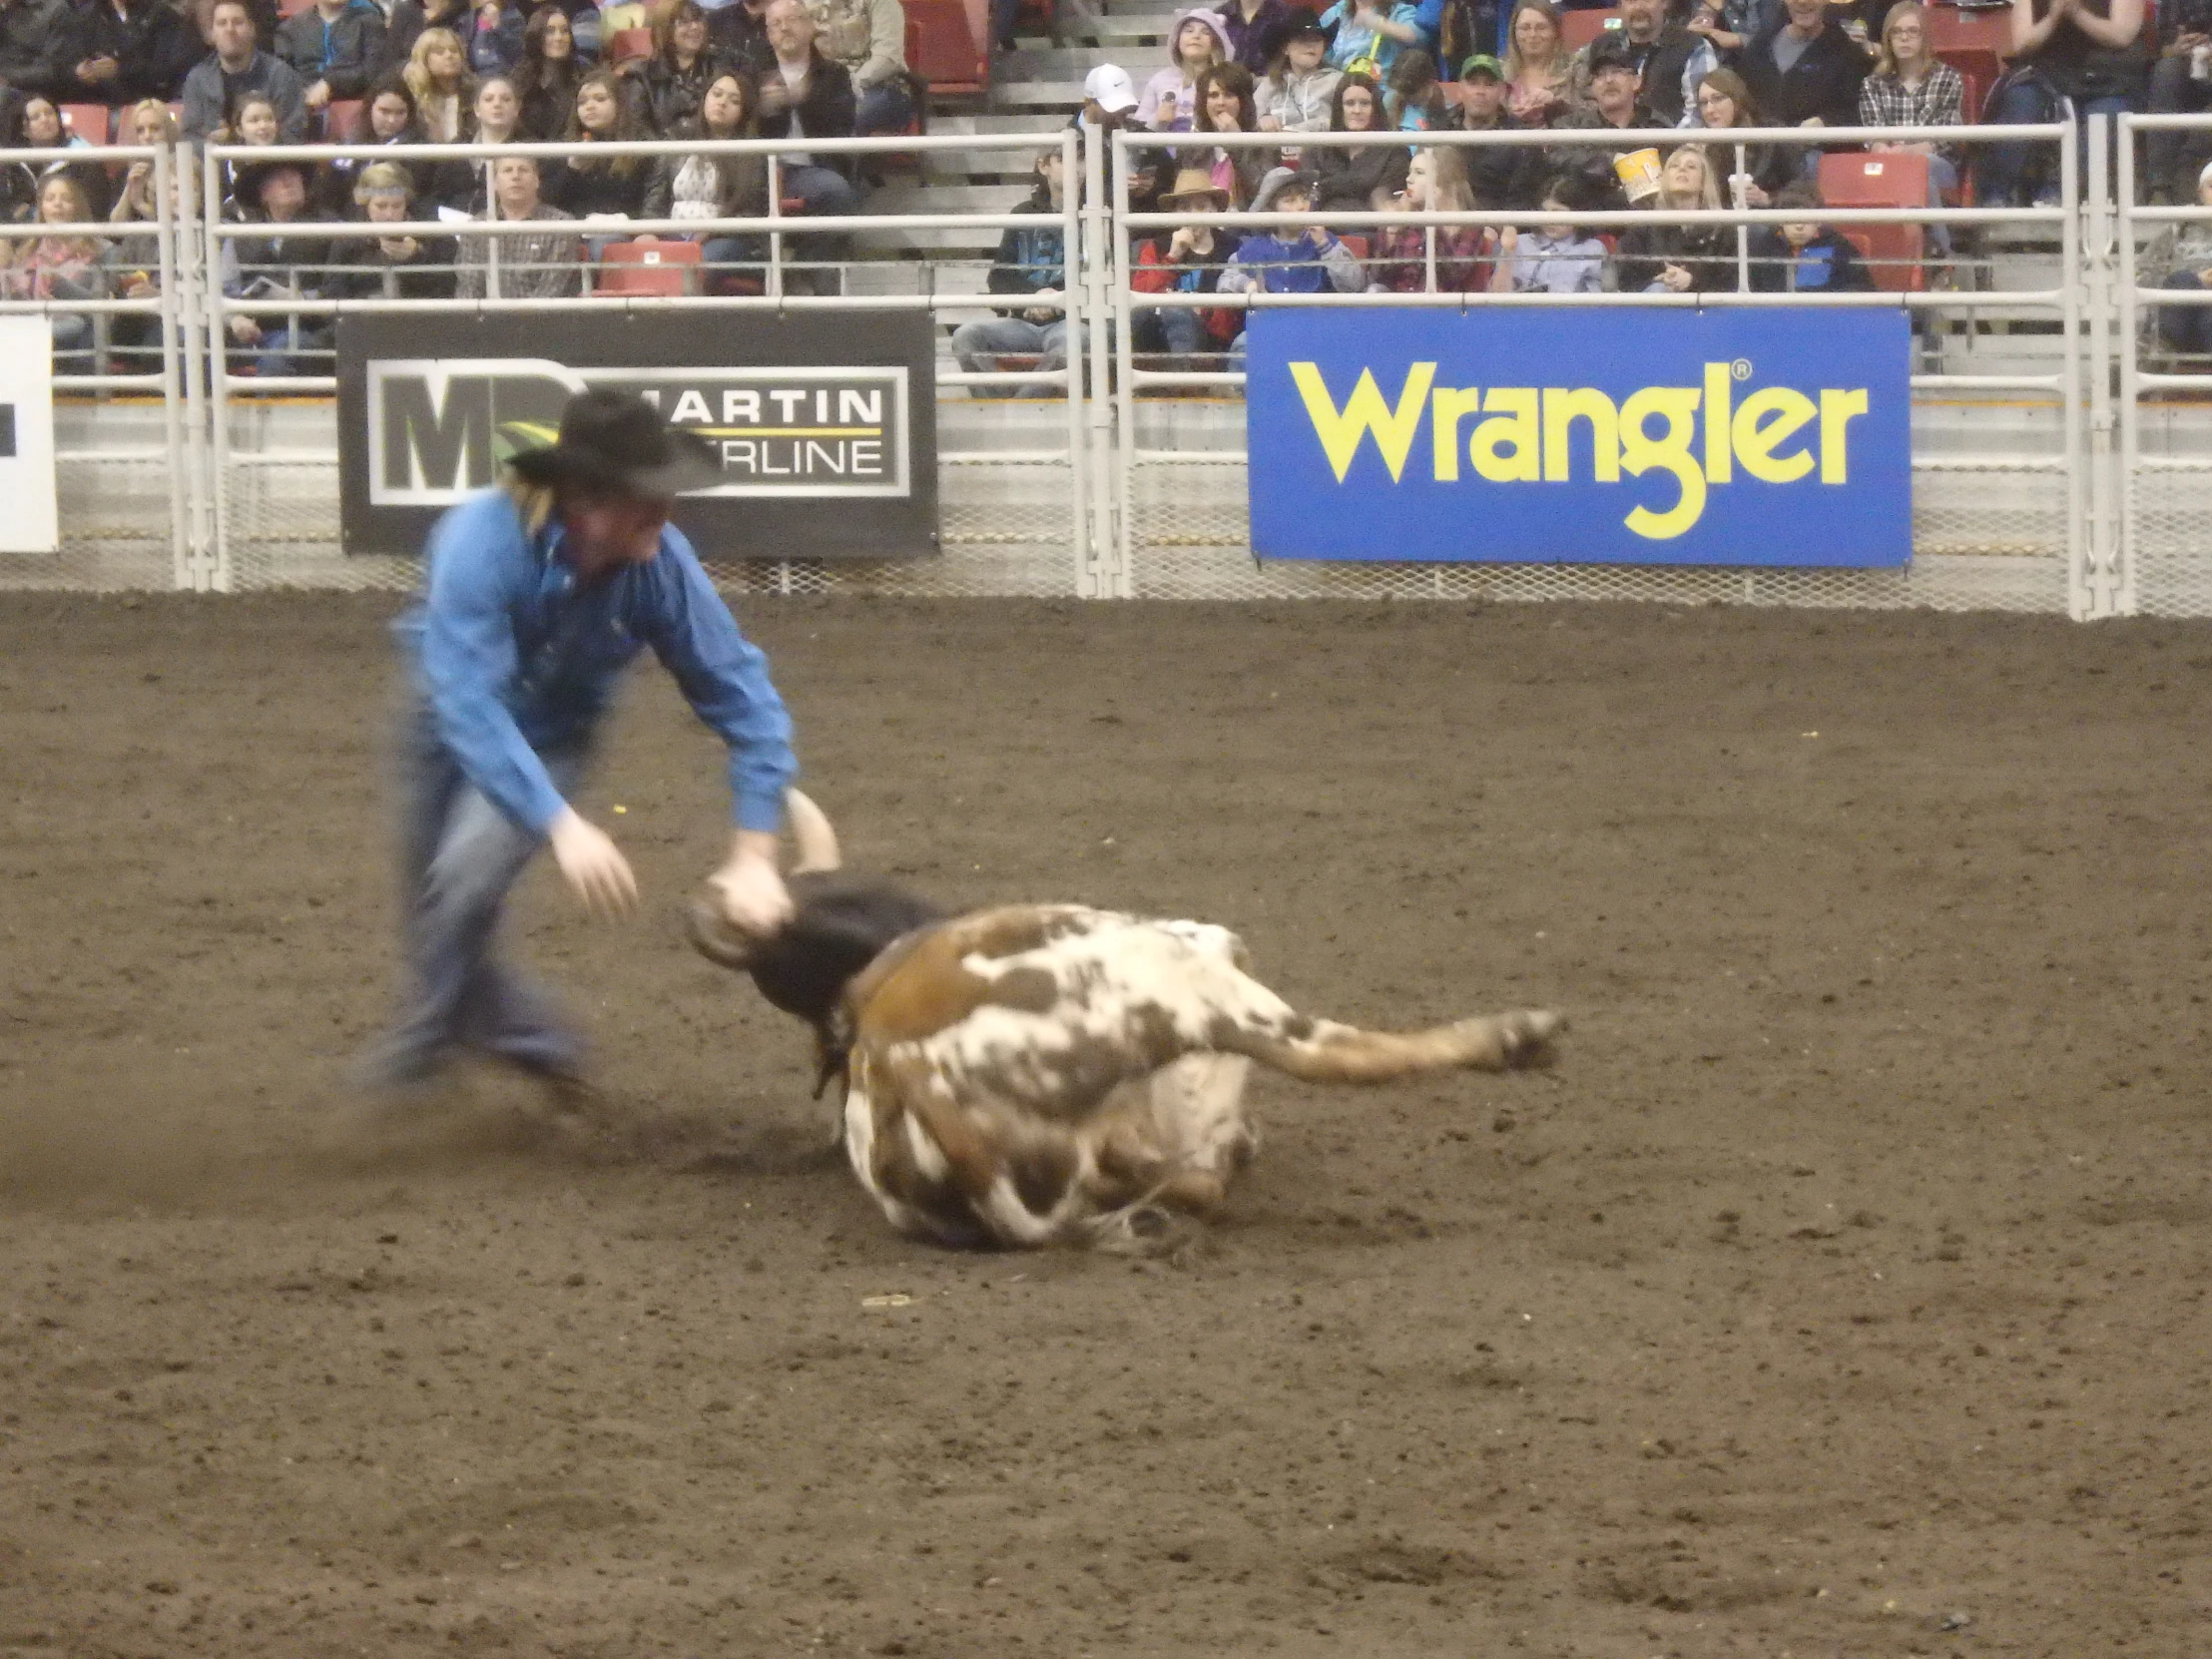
1671,78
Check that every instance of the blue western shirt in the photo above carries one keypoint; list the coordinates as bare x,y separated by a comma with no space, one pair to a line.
513,654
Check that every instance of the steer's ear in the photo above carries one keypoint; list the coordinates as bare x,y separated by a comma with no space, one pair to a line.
718,941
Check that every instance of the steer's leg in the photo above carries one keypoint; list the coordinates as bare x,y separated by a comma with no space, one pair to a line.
1248,1019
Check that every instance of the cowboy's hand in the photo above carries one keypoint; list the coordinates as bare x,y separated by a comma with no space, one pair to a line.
749,890
592,865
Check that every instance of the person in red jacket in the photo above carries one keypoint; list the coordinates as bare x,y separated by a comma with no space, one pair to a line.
1188,259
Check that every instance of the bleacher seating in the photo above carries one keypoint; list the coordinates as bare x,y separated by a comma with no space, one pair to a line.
629,45
341,120
642,268
1891,179
1578,28
87,120
941,48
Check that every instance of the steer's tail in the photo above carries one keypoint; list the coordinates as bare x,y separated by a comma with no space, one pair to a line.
1321,1051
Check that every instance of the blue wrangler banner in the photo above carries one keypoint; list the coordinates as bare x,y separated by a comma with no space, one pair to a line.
1613,435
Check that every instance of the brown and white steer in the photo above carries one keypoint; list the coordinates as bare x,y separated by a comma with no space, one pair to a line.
1047,1074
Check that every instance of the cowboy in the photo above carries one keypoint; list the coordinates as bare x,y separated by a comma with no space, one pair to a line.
536,594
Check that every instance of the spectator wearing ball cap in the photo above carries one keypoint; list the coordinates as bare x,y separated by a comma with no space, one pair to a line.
1189,259
1170,100
1613,106
1251,29
1500,174
536,596
1655,47
1296,94
1109,98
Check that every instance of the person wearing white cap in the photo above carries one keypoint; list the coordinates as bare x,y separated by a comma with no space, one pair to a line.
1108,97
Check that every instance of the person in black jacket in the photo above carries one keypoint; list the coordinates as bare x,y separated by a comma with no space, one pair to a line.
1500,174
1354,180
38,47
1804,255
131,50
804,95
547,76
674,80
1802,70
283,261
614,186
391,268
1679,258
1031,266
335,47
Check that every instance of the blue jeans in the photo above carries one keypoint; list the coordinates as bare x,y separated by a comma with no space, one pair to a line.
2004,168
978,345
824,192
458,856
1181,334
883,108
2186,330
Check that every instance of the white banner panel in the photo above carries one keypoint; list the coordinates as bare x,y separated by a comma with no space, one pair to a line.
29,522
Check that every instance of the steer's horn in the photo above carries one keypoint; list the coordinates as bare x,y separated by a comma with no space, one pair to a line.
812,835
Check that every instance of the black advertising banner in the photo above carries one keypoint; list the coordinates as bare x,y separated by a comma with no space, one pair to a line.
824,422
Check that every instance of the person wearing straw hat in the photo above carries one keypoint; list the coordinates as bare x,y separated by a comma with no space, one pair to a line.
1187,260
536,595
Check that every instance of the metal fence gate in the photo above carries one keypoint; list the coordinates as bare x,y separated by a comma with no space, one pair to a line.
2080,484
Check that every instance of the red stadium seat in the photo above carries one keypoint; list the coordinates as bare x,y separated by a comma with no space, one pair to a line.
1951,29
630,268
942,49
1355,242
1891,179
87,120
628,45
292,8
341,122
1979,68
1578,29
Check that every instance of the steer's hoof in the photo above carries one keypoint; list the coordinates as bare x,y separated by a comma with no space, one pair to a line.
1526,1038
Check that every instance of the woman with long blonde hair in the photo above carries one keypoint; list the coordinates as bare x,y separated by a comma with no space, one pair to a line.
438,78
1679,258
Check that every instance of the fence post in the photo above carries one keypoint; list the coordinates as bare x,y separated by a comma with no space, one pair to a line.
1099,574
217,334
2125,346
188,316
2094,588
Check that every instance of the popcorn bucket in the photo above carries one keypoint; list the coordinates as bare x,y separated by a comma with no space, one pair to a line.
1638,171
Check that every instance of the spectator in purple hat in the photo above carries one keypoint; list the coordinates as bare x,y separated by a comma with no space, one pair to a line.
1197,42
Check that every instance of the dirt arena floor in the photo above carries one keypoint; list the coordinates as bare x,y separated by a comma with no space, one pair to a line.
1843,1293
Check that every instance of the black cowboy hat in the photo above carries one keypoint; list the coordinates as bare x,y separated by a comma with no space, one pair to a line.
1299,20
616,444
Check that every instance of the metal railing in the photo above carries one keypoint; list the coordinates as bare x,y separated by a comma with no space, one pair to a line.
2069,474
1183,560
778,295
2164,458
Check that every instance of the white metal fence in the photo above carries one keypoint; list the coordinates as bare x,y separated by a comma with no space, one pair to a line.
2058,450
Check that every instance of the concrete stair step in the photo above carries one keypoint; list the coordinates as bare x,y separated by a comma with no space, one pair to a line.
1032,95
